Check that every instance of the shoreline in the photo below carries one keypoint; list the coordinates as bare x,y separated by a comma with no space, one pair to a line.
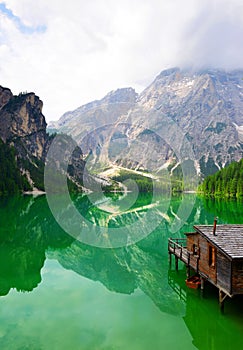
35,192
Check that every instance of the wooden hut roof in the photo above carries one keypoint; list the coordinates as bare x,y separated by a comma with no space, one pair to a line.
228,238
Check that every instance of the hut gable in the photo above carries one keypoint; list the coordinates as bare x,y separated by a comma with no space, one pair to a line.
228,238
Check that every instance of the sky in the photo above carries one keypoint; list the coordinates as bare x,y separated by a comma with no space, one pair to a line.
72,52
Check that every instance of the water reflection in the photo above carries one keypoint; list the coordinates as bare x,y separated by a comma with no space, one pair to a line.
230,211
209,328
28,232
29,235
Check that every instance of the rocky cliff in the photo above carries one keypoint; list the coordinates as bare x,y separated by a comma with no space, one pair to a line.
23,127
23,124
181,116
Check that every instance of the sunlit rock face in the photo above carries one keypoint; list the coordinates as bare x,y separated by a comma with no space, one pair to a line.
23,127
207,108
149,131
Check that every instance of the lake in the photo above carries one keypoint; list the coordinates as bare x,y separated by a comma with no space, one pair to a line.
58,292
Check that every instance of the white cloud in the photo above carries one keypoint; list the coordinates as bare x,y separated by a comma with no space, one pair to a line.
92,47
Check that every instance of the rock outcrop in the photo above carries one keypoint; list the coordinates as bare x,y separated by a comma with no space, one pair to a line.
5,95
23,127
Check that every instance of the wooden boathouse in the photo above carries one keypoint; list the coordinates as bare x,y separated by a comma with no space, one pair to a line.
215,253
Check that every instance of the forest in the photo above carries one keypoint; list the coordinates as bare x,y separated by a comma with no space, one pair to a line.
11,181
227,182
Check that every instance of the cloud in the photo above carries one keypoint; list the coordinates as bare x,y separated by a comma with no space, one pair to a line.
214,37
87,48
25,29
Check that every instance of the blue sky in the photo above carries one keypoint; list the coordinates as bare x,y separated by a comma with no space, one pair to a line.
19,24
70,53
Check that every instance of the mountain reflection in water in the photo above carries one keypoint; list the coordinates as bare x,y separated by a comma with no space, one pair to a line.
29,235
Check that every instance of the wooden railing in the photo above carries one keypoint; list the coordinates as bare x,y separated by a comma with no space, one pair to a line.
177,246
177,242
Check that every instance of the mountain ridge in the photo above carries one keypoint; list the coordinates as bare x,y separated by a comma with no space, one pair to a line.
205,106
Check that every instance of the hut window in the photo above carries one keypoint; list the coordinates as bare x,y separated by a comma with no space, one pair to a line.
239,265
195,249
211,256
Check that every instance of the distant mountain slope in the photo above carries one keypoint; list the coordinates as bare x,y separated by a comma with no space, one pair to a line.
204,108
96,114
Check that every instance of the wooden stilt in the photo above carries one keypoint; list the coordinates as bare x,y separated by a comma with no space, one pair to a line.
188,271
202,285
176,263
222,297
170,258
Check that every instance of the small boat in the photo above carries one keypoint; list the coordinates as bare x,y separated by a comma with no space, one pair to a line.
193,282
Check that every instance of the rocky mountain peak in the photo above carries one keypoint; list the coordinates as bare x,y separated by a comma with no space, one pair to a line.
21,118
121,95
205,106
168,73
124,98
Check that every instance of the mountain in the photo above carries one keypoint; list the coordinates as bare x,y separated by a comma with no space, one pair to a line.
205,107
97,113
24,143
90,124
182,118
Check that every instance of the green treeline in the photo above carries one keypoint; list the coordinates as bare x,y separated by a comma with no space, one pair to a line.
227,182
146,184
11,181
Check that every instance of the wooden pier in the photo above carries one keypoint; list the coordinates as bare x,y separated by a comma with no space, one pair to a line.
178,248
215,253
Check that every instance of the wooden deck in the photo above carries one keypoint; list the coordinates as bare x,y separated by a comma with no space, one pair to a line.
177,247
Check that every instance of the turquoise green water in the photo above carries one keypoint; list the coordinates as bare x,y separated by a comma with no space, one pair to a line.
58,293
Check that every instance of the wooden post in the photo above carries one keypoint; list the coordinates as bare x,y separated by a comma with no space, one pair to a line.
170,258
222,297
197,263
202,285
176,263
188,271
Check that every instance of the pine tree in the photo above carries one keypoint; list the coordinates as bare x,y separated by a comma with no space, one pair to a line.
227,182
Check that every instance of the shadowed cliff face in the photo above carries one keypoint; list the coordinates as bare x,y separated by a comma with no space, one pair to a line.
5,95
